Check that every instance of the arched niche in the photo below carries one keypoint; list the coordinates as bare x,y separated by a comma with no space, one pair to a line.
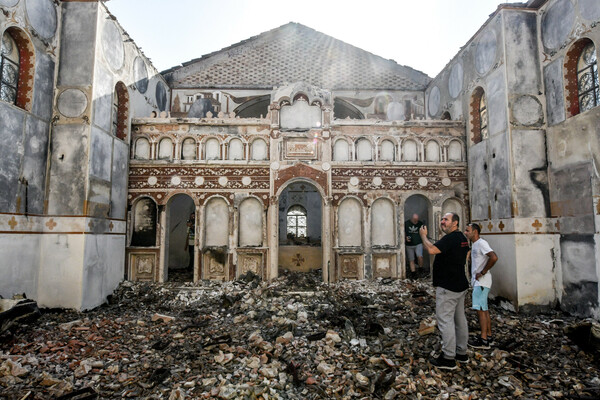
251,223
410,151
143,233
212,149
235,150
341,150
455,151
432,151
216,223
383,232
350,225
387,151
188,149
258,150
364,150
142,149
165,149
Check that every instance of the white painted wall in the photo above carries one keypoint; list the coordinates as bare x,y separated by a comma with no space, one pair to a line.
60,281
104,261
20,255
536,272
504,273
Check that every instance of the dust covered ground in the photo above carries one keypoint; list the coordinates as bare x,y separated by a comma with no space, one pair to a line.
291,338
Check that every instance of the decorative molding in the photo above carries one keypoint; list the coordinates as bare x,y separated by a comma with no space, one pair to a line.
52,224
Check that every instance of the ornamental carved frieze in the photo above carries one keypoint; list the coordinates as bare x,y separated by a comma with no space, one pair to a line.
191,178
396,172
169,170
300,170
191,183
368,179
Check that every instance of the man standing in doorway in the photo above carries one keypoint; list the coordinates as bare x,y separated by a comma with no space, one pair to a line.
190,240
451,286
414,245
483,259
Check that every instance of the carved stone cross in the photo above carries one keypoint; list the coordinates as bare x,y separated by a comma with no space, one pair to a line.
298,260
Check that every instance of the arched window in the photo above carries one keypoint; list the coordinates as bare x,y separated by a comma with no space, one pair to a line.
17,59
581,77
120,112
9,69
188,149
341,150
479,116
483,117
296,221
387,151
587,78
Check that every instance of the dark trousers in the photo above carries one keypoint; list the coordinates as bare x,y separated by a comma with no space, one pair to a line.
191,263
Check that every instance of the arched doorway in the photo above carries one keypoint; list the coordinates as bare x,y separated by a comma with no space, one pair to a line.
300,226
420,205
179,249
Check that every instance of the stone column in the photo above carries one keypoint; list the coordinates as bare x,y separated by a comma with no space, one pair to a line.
273,242
162,238
400,254
326,238
368,251
200,233
234,238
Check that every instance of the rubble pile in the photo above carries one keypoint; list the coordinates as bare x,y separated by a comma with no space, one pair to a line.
291,338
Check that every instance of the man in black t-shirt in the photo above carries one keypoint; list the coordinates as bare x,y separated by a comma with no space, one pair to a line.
414,245
451,286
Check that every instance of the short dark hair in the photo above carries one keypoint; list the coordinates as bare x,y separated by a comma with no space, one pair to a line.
455,217
475,226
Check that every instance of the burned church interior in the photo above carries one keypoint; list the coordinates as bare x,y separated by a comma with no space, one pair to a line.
293,151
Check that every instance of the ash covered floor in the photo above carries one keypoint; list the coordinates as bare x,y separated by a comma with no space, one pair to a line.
291,338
